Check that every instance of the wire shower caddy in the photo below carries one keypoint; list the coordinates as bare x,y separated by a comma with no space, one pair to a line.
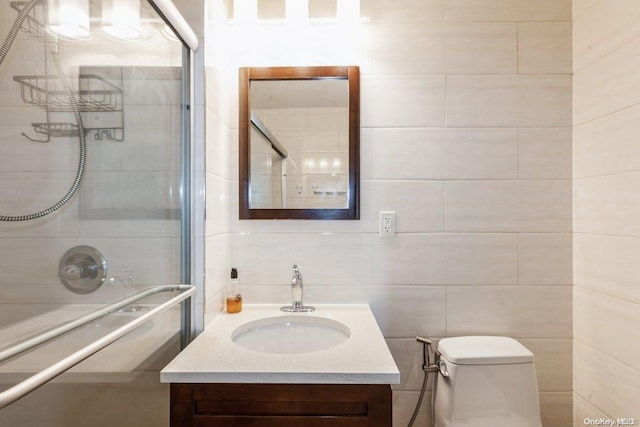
92,93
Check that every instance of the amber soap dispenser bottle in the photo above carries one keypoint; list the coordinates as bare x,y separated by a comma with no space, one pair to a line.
234,296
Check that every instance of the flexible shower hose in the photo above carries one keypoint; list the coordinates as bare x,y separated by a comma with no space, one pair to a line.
4,50
433,398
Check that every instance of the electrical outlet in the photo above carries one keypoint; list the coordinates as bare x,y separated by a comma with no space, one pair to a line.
387,223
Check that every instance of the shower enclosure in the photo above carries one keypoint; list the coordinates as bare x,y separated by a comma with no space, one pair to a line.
96,217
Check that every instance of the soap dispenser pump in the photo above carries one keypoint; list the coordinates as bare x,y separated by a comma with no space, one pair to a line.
234,296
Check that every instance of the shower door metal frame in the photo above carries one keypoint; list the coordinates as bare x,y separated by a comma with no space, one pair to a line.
192,180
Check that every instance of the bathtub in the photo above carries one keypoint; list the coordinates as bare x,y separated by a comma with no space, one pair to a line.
125,371
149,347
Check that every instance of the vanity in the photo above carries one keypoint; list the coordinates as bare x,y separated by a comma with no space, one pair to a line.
266,368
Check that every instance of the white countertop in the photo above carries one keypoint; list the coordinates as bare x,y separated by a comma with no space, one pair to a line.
214,358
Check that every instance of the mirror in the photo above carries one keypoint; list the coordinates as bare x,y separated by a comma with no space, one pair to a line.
299,143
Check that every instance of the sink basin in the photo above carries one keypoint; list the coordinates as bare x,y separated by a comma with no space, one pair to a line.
291,334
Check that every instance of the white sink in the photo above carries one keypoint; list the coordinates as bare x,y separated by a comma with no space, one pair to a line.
359,355
291,334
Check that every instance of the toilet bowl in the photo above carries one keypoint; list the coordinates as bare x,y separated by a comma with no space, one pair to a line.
486,382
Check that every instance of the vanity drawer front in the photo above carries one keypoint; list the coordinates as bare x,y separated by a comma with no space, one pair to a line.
280,405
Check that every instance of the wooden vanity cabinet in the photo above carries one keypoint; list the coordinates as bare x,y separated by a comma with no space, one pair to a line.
280,405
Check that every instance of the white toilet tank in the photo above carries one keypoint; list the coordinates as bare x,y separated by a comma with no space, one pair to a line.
491,383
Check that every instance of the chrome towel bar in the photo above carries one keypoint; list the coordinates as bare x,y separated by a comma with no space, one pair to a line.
30,384
66,327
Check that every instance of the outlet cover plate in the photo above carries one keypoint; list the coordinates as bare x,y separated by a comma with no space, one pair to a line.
387,224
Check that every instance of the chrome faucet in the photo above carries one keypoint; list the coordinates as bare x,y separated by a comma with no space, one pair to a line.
297,306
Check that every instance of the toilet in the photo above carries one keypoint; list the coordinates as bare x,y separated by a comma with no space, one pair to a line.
486,382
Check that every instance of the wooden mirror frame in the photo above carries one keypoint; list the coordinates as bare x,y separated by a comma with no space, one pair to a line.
350,73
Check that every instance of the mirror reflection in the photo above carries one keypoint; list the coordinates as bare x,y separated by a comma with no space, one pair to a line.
300,140
299,144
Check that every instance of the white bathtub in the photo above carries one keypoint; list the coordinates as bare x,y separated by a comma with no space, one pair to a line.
124,375
147,348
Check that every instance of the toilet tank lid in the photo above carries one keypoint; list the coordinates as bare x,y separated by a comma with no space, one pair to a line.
483,350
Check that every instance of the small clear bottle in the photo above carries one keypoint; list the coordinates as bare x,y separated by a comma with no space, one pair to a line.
234,296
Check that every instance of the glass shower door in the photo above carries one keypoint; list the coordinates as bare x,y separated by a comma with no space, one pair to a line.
93,154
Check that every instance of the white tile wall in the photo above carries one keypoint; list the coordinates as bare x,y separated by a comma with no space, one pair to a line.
545,259
402,10
519,312
409,101
544,47
582,408
607,264
580,7
418,259
615,24
601,204
553,408
606,173
348,254
466,135
440,48
544,153
603,87
508,10
604,381
393,55
492,10
444,153
607,145
544,10
482,48
607,331
217,261
508,100
554,361
525,206
217,201
419,205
